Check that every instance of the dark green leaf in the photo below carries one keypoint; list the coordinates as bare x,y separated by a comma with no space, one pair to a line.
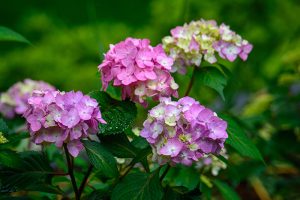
238,140
44,188
119,145
213,78
142,158
10,159
34,169
205,190
7,34
227,192
3,126
139,186
97,195
101,158
187,177
119,115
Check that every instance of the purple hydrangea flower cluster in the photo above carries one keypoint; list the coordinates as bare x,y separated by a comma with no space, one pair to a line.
139,69
201,40
183,131
14,101
59,117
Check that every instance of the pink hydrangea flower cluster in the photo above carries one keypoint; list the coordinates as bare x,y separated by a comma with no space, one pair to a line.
139,69
183,131
201,40
14,101
59,117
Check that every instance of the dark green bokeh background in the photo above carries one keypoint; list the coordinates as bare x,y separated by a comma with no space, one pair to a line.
69,38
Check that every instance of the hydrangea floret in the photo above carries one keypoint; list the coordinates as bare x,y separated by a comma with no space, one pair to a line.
14,101
201,40
139,69
183,131
62,117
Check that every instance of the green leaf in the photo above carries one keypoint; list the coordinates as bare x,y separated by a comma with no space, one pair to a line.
187,177
119,145
238,139
213,78
227,192
101,158
10,159
142,158
3,127
119,115
45,188
97,195
34,169
7,34
139,186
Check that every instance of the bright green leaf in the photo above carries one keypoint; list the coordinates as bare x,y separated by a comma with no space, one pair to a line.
119,115
139,186
101,158
238,139
7,34
227,192
213,78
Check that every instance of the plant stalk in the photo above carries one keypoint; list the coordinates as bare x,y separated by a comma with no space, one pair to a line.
85,180
191,82
71,173
165,173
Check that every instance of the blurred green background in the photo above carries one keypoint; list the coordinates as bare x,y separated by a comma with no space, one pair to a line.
69,38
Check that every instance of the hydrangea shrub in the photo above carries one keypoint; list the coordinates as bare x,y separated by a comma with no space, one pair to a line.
180,133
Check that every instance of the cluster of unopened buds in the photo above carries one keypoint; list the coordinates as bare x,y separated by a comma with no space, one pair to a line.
212,163
139,69
183,131
14,101
62,118
200,40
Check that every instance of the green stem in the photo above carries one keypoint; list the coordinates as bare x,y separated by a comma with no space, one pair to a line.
85,180
191,82
165,173
71,173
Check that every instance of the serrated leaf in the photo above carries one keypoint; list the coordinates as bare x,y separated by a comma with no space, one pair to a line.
119,115
7,34
34,169
101,158
213,78
238,139
139,186
227,192
119,145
